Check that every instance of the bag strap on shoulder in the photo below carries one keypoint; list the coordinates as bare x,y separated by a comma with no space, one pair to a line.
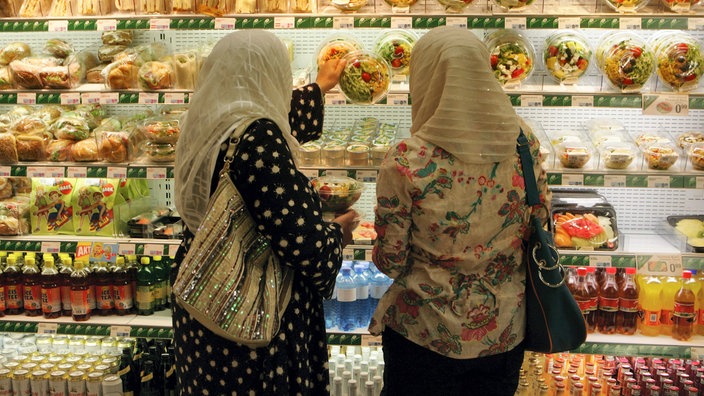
230,154
523,148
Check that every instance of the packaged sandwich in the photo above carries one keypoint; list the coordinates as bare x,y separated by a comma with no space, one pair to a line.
156,75
59,150
9,8
107,52
85,151
35,8
71,126
184,67
14,51
58,48
116,37
121,75
8,149
113,146
31,147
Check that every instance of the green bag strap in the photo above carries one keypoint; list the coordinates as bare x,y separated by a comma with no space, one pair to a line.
523,148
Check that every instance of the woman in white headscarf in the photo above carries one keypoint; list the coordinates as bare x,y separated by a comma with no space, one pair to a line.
244,89
450,218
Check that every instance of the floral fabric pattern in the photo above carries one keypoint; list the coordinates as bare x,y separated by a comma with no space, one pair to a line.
450,235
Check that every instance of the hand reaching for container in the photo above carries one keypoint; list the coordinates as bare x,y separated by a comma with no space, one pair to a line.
329,74
348,221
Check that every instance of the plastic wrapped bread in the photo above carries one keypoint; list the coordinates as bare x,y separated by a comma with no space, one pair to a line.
245,6
156,75
14,51
120,75
161,7
35,8
274,6
214,8
184,67
182,6
93,7
62,8
116,37
8,149
9,8
5,78
124,5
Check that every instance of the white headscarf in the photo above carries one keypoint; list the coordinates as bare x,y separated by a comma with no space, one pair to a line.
246,77
457,102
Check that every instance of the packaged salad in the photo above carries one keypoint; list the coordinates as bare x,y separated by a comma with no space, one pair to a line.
348,5
337,194
161,129
366,78
679,5
567,56
627,5
512,56
455,6
395,47
680,63
400,3
626,61
336,47
512,5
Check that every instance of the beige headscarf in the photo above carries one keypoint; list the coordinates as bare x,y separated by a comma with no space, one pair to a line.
457,102
247,76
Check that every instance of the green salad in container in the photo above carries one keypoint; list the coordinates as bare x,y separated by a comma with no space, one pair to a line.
395,47
567,56
366,78
337,194
511,56
680,64
513,5
627,64
336,47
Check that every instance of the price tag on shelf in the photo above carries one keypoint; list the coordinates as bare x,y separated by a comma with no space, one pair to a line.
460,22
397,99
103,25
336,172
614,180
5,171
310,173
401,22
370,340
348,254
117,172
125,249
582,101
696,353
224,23
45,171
172,250
174,98
153,249
109,98
699,182
90,98
335,99
343,22
26,98
47,328
159,24
58,26
531,100
77,171
600,261
658,181
660,265
568,22
695,23
156,173
368,254
284,22
70,98
629,23
148,98
569,179
666,105
515,23
367,176
120,331
51,247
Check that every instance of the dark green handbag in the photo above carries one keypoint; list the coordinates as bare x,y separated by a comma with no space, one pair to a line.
554,322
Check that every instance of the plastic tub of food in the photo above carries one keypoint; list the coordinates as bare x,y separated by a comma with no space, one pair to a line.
685,139
337,194
161,129
695,152
358,154
680,5
619,155
395,48
333,154
574,155
645,139
366,78
512,56
159,152
660,156
455,6
336,47
625,60
567,56
512,5
400,3
309,154
680,64
626,6
585,228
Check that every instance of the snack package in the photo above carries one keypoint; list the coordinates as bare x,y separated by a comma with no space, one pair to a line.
156,75
60,77
395,47
14,51
85,151
59,150
50,113
8,149
95,75
93,203
50,206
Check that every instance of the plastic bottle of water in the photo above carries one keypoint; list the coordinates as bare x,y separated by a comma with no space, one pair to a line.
331,310
378,286
362,282
347,300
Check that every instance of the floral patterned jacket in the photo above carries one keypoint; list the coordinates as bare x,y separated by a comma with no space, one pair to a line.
450,235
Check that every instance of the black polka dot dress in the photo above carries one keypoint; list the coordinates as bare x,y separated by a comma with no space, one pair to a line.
288,211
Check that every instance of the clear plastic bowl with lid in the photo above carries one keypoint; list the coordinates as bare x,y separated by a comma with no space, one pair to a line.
512,5
400,3
395,48
337,194
336,47
455,6
626,61
348,5
574,155
626,6
366,78
661,156
680,5
696,155
680,64
617,155
161,129
567,56
512,56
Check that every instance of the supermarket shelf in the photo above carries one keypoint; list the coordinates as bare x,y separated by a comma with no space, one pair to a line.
133,170
69,244
639,345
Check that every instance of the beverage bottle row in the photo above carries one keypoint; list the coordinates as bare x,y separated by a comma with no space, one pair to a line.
60,285
358,288
672,305
356,371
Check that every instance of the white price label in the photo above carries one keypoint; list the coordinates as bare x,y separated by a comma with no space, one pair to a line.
148,98
658,181
109,98
58,26
174,98
343,22
397,99
531,100
48,171
614,180
156,173
152,249
568,22
90,98
572,180
629,23
399,78
26,98
77,171
103,25
159,24
335,99
117,172
51,247
696,352
700,182
172,250
284,22
515,23
47,328
125,249
120,331
600,261
348,254
660,265
371,340
666,105
70,98
367,176
336,172
368,254
224,23
460,22
5,171
310,173
401,22
582,101
695,24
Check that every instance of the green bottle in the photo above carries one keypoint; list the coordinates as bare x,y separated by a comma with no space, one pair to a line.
145,287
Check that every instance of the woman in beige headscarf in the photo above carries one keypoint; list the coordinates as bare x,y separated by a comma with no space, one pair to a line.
244,89
450,219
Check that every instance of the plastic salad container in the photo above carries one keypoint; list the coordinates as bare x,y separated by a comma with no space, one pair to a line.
696,155
660,156
617,155
680,63
627,5
336,47
512,56
395,48
625,60
348,5
366,78
455,6
337,194
680,5
400,3
567,56
512,5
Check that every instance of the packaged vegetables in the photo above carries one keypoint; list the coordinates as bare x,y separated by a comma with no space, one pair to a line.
625,60
336,47
584,229
337,194
395,48
627,5
567,56
365,79
680,64
511,56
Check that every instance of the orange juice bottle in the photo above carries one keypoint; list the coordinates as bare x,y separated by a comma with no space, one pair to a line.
670,286
650,304
683,314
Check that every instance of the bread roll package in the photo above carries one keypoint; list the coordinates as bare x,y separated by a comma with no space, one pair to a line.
14,51
9,8
121,75
151,7
59,150
31,147
124,5
214,8
93,203
50,209
184,65
71,126
116,37
245,6
8,149
182,6
156,75
35,8
113,146
62,8
27,72
85,151
93,7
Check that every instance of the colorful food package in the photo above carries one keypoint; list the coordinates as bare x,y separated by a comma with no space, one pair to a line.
681,6
85,151
626,61
337,194
567,56
161,129
50,206
59,150
585,228
685,139
395,48
364,234
661,155
366,78
680,63
618,155
627,6
93,202
336,47
511,55
71,126
158,153
143,224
